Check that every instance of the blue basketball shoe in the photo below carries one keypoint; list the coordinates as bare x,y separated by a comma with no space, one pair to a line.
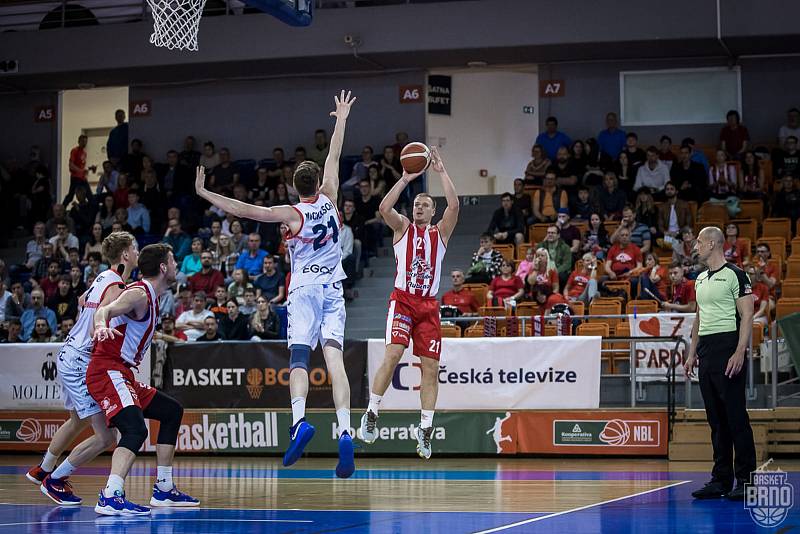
172,498
300,434
346,465
118,505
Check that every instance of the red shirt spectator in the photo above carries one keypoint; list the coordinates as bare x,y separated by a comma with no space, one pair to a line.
735,253
683,293
577,283
552,300
624,259
207,279
77,160
463,299
760,294
502,288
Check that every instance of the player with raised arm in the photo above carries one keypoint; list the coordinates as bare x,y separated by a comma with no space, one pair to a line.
315,304
123,331
419,248
72,362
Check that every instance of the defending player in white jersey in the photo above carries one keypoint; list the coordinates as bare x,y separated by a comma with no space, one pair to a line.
73,359
419,248
316,302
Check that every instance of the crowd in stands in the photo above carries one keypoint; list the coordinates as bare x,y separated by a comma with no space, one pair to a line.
606,218
233,273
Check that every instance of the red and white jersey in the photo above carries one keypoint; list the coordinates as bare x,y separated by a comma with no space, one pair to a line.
80,337
137,334
315,250
418,257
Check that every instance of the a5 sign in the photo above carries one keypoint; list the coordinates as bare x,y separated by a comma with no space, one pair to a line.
44,114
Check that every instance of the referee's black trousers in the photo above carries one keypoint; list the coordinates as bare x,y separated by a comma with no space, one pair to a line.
726,409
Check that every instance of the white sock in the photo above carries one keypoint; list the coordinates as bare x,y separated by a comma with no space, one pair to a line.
374,403
115,483
164,478
298,409
343,416
49,461
426,420
63,470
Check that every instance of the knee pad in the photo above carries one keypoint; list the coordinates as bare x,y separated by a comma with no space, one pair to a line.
333,343
168,412
130,423
300,356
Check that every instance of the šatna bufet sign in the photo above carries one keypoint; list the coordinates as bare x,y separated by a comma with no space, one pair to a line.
500,373
29,376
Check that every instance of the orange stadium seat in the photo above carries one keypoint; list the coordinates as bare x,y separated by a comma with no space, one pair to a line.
526,309
747,228
641,306
621,358
624,285
699,225
777,227
711,211
786,306
751,209
790,289
795,248
474,331
478,291
506,250
451,330
522,249
537,232
792,270
605,308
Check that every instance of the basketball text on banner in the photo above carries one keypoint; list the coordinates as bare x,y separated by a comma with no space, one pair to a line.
29,376
500,374
652,359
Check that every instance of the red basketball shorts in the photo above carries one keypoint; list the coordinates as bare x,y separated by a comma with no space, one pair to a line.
416,319
113,387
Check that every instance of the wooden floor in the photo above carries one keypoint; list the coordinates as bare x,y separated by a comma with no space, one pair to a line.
448,495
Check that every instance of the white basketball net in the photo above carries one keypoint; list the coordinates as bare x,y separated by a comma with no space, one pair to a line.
175,23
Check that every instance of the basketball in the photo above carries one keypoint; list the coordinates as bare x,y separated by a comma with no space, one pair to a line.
415,157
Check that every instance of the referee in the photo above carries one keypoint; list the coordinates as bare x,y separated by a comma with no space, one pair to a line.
720,337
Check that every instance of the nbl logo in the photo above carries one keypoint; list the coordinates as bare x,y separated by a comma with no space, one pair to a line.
768,496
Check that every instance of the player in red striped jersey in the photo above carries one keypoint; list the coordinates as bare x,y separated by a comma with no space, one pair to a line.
419,248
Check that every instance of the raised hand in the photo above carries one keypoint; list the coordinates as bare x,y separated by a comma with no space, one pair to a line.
200,179
104,332
411,177
343,103
436,160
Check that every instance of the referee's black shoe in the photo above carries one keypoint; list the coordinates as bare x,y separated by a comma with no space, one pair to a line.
736,494
712,490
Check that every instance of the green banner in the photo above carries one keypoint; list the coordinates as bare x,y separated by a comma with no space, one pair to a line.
578,432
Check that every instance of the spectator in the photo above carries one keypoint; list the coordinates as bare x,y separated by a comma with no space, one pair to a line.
507,224
390,167
653,174
264,323
210,158
225,175
581,207
41,268
59,214
689,177
319,152
751,179
95,266
225,258
522,201
63,240
665,153
792,126
624,257
505,287
611,199
361,169
685,255
551,139
76,284
263,189
722,177
138,214
695,155
787,202
646,211
546,299
653,279
568,233
191,321
787,160
595,241
191,263
625,172
543,272
282,196
49,283
253,259
234,325
17,302
566,172
581,285
683,297
64,302
40,196
549,199
240,284
168,332
189,157
300,155
736,250
734,138
107,182
5,296
560,252
673,215
95,242
77,169
485,262
366,205
166,305
636,156
184,299
33,249
36,311
400,141
117,144
82,212
276,169
211,330
762,303
175,177
525,265
461,298
207,278
64,328
132,162
14,331
638,232
152,197
42,332
537,166
352,219
350,259
121,194
768,272
239,239
105,215
611,140
376,181
248,307
180,242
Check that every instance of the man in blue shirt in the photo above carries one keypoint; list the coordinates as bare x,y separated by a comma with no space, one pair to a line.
612,139
180,242
138,214
551,139
117,145
253,258
36,311
697,155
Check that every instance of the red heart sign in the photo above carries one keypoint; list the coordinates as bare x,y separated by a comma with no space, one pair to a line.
651,327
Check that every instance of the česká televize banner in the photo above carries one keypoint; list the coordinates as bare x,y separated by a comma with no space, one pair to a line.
29,376
652,359
500,374
254,375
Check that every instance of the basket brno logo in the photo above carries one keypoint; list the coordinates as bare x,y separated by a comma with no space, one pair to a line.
768,496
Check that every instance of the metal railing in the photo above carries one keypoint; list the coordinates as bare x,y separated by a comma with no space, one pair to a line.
774,374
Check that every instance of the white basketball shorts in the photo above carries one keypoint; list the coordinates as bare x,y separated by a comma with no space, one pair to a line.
316,314
71,365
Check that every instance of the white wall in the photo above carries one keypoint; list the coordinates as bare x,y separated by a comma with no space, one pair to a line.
79,109
487,128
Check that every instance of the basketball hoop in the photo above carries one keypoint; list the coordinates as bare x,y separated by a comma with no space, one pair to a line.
175,23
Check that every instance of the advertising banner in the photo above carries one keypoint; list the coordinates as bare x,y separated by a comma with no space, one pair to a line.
500,374
254,375
29,376
652,359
